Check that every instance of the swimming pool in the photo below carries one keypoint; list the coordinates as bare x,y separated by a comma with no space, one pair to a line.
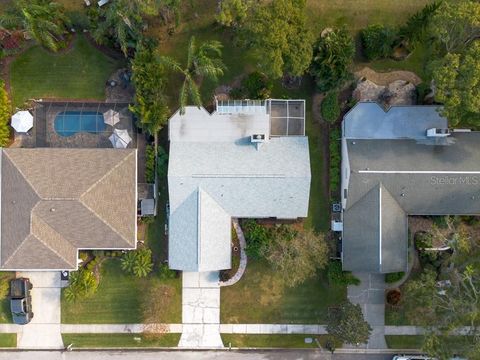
68,123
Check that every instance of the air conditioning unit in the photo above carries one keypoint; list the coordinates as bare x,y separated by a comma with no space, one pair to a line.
435,132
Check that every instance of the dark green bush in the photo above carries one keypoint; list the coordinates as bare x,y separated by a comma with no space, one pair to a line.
423,240
336,276
149,164
378,41
162,162
257,86
335,160
165,273
147,220
394,277
330,107
440,221
78,20
256,236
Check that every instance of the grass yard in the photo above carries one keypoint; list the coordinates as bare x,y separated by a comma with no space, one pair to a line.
8,340
295,341
78,73
118,299
120,340
260,298
416,341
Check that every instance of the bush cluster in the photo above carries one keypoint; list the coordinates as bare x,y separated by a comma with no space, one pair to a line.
335,160
423,240
393,297
138,262
255,86
378,41
391,278
5,112
330,108
257,237
83,284
165,273
336,276
162,163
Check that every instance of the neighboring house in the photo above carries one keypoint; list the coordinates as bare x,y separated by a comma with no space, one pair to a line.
397,163
229,164
55,202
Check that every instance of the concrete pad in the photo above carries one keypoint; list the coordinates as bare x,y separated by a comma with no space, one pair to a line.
376,297
253,328
226,328
40,336
211,315
209,279
46,305
41,279
190,279
200,336
239,328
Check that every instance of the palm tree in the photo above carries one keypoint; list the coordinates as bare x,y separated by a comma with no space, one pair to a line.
43,20
202,62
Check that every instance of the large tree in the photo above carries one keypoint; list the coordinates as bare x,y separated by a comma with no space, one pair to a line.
346,323
203,62
280,38
296,255
232,13
332,57
457,83
43,20
150,103
456,24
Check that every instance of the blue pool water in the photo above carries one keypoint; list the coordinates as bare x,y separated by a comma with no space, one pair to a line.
68,123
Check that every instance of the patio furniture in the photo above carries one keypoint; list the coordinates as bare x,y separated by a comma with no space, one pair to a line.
22,121
111,117
120,139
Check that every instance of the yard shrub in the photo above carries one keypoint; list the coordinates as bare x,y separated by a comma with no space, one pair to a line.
378,41
138,262
83,284
394,277
165,273
79,20
5,113
335,161
330,107
256,236
336,276
332,57
257,86
5,278
162,162
423,240
393,297
149,164
147,219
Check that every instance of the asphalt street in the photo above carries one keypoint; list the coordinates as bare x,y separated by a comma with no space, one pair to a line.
187,355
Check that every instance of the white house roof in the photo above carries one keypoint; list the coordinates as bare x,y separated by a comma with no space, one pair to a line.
212,181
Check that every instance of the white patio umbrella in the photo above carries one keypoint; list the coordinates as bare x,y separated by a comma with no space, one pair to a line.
111,117
22,121
120,139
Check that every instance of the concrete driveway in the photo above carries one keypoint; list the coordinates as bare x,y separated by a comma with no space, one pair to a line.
43,332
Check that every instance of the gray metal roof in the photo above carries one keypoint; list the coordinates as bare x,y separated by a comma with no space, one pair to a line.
237,179
419,179
368,120
56,201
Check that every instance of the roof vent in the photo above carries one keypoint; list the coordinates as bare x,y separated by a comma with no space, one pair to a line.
52,209
435,132
258,139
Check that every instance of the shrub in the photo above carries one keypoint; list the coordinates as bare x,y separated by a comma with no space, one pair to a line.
149,164
378,41
4,285
147,220
138,262
394,277
332,57
162,162
393,297
441,221
336,276
78,20
423,240
330,108
83,255
256,236
83,284
165,273
237,93
335,160
257,85
5,112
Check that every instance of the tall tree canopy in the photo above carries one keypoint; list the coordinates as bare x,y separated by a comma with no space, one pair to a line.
203,61
279,36
150,103
346,323
43,20
332,57
232,13
457,82
456,24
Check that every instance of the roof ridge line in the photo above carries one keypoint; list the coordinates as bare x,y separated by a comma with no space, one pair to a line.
16,250
55,231
21,173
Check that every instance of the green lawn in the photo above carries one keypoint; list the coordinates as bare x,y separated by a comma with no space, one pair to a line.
119,298
258,298
416,341
8,340
275,341
120,340
78,73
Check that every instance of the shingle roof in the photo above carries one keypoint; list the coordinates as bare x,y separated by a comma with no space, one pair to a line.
235,179
56,201
420,179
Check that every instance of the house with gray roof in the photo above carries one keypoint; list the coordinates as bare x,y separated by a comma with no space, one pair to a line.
395,163
55,202
228,165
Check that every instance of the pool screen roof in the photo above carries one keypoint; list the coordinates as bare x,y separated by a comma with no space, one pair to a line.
57,201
